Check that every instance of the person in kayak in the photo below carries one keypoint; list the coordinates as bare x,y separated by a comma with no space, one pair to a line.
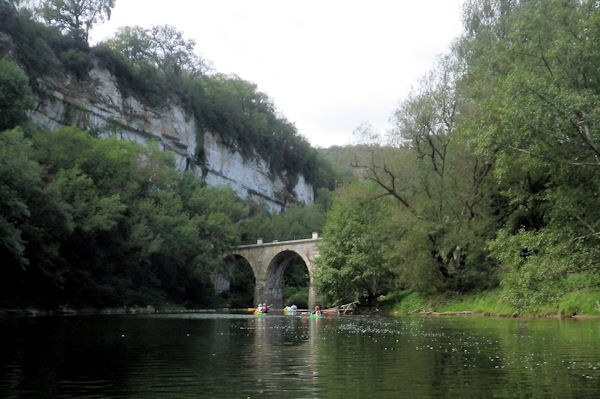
317,310
292,308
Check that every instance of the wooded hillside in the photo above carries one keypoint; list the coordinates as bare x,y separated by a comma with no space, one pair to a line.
491,175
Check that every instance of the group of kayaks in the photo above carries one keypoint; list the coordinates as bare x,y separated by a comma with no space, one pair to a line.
294,312
290,311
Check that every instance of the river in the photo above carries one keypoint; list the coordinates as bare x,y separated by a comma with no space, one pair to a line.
277,356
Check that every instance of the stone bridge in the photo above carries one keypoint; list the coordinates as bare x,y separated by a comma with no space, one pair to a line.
268,262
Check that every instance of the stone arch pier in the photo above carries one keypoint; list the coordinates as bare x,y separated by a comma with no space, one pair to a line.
268,262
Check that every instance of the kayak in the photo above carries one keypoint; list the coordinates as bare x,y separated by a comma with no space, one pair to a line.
285,311
260,314
317,316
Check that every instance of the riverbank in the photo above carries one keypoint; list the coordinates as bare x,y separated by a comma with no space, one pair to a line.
124,310
72,311
68,310
583,303
579,304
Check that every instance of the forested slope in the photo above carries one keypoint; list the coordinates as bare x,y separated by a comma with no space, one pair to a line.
491,175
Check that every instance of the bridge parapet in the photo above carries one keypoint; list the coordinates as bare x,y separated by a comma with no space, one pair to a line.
259,242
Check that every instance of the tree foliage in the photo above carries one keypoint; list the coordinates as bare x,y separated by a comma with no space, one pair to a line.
75,16
106,222
20,177
354,259
533,83
493,164
162,46
440,186
42,51
15,95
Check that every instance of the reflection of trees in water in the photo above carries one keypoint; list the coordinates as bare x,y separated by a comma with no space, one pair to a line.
284,352
285,356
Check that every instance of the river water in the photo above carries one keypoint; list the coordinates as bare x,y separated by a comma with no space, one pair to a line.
277,356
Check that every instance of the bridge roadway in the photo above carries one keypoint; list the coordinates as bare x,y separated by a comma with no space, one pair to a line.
268,262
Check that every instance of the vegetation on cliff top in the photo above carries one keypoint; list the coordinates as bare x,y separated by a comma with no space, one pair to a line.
158,66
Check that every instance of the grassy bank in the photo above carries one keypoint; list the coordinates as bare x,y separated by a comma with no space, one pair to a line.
583,302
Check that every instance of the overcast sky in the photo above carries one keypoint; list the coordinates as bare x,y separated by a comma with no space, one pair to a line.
327,65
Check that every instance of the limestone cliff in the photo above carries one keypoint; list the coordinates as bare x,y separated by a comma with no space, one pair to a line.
97,104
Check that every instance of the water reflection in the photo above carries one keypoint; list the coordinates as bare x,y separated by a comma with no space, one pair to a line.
225,356
284,356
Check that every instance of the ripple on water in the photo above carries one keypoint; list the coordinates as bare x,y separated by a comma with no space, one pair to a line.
212,355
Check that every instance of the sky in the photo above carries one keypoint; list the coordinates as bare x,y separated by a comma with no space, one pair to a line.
329,66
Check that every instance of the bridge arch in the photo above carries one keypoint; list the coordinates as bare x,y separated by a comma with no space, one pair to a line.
268,262
275,274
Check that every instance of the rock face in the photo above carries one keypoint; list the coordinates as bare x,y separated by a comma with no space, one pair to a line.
97,104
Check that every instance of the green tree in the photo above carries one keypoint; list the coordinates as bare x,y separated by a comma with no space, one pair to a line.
295,222
533,86
162,46
33,224
131,42
20,177
441,186
15,95
172,53
76,15
354,261
113,223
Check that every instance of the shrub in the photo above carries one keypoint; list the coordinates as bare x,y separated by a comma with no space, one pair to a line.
15,95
